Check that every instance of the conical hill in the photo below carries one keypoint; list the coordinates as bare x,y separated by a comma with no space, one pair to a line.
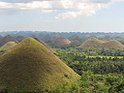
30,66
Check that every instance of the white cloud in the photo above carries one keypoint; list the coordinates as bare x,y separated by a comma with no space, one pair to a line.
69,8
83,9
30,5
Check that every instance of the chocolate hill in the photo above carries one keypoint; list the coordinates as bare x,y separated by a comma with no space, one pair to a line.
95,43
8,45
32,67
61,41
6,39
19,38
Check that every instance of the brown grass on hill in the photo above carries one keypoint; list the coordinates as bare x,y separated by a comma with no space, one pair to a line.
61,40
95,43
31,66
8,45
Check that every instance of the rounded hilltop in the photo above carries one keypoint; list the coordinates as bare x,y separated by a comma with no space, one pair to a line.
6,39
30,66
95,43
61,41
8,45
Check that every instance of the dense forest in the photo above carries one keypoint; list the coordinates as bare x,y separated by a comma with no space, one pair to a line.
102,70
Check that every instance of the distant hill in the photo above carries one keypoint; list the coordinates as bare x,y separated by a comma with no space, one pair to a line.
61,41
8,45
95,43
32,67
19,38
1,37
6,39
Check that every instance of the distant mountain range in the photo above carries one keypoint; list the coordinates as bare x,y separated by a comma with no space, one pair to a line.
64,38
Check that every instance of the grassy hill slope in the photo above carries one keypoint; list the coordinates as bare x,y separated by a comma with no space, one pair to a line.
30,66
8,45
95,43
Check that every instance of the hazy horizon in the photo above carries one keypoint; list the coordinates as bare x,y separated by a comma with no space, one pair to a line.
71,31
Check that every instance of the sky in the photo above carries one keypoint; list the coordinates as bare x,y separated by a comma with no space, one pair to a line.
62,15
